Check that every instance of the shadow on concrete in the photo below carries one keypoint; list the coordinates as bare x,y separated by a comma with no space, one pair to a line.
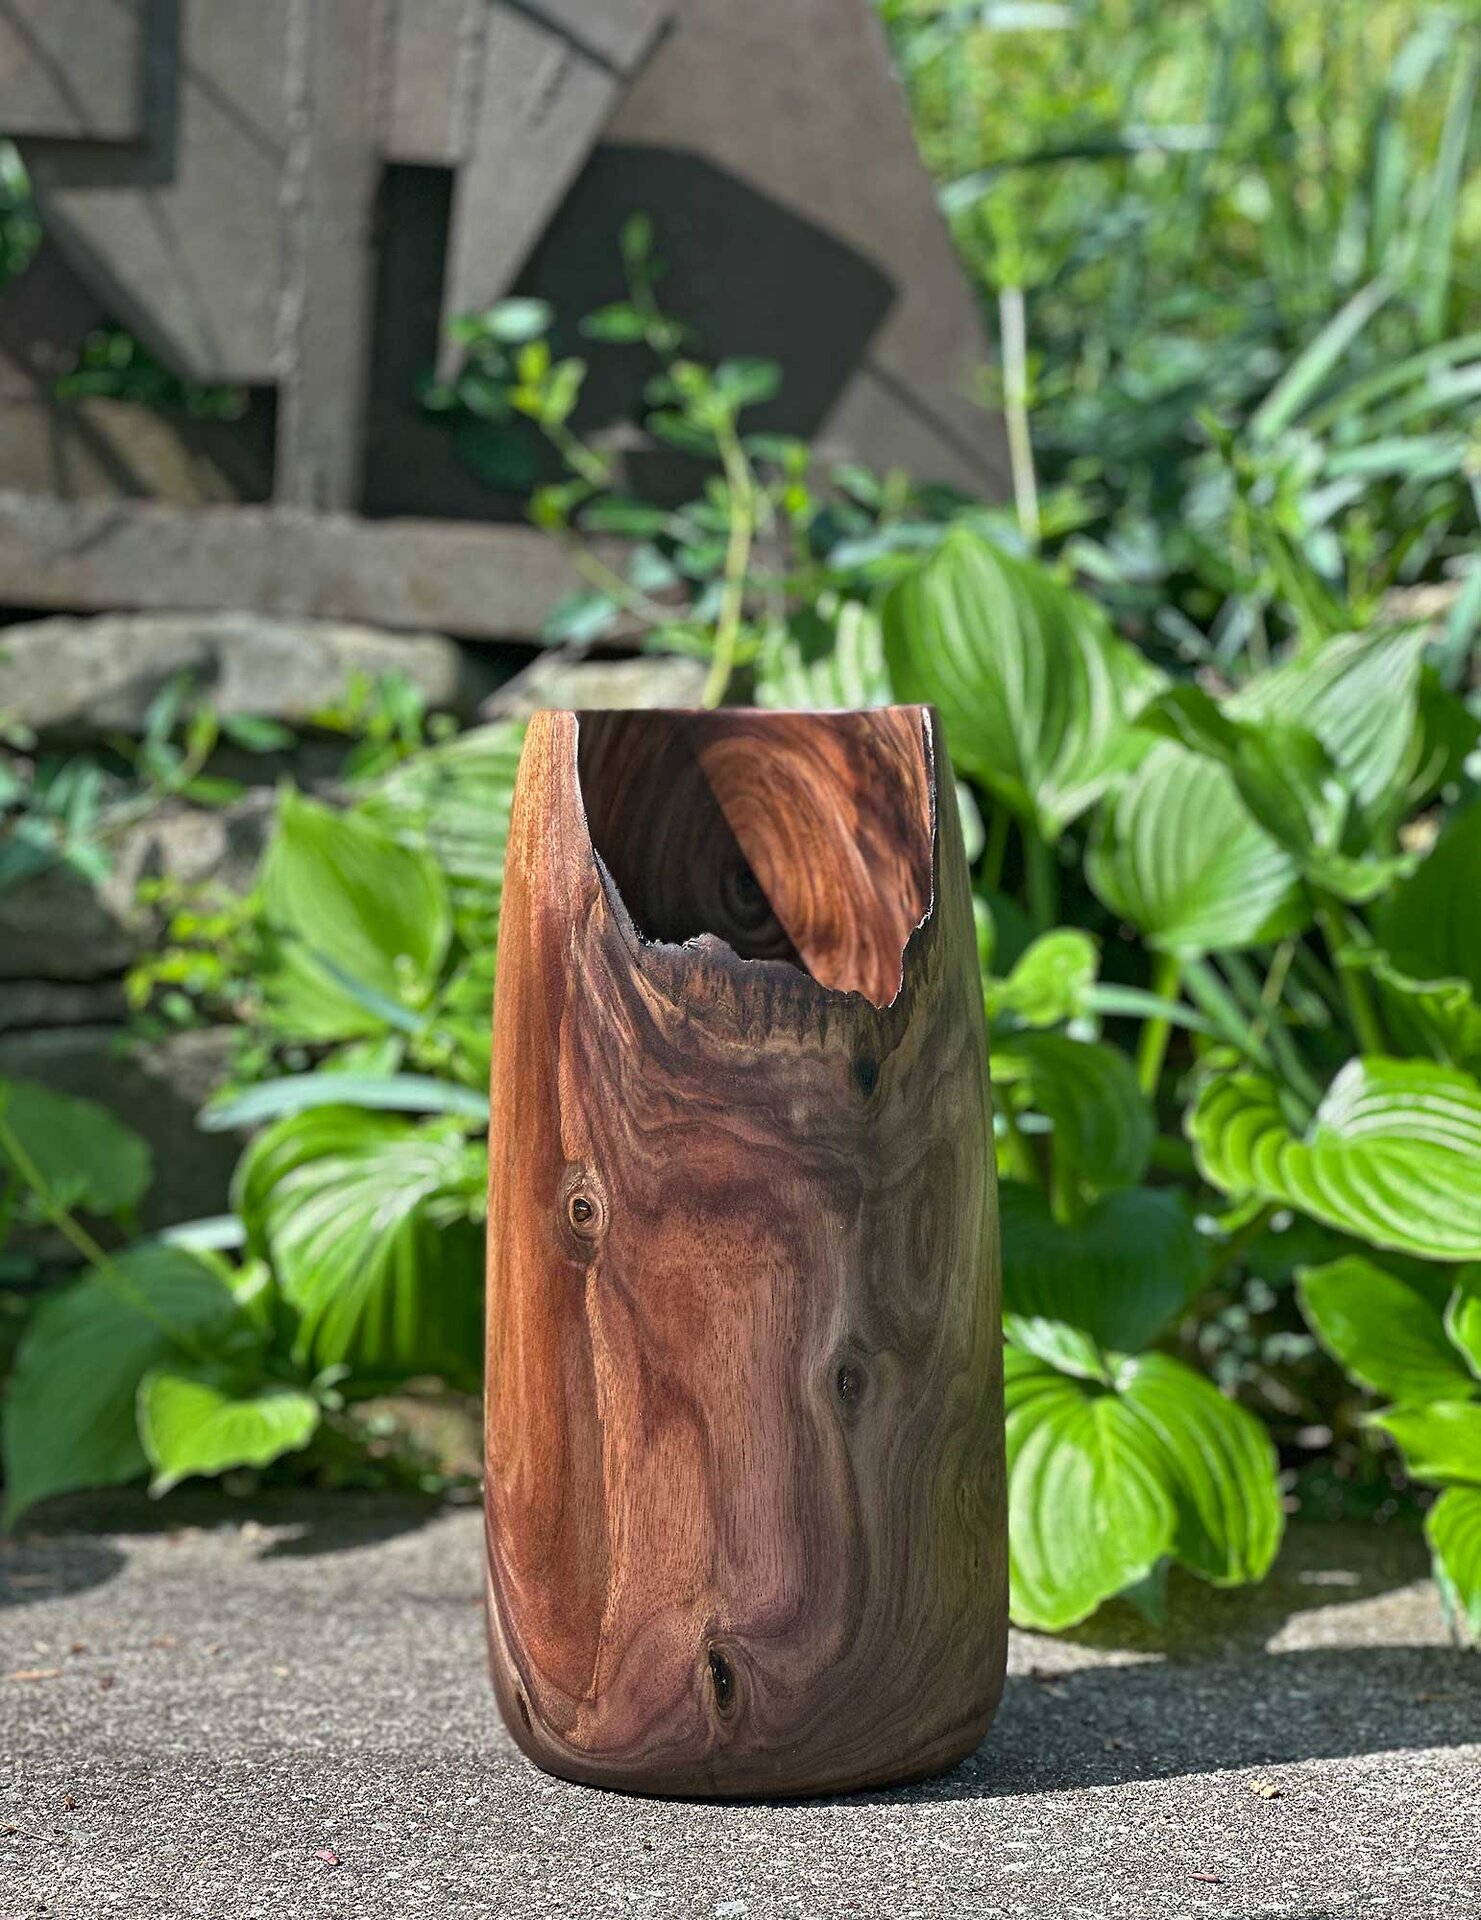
69,1544
41,1569
1213,1689
1108,1726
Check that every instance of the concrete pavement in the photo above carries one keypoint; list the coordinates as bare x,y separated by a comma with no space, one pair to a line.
285,1717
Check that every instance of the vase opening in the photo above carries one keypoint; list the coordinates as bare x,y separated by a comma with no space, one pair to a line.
803,838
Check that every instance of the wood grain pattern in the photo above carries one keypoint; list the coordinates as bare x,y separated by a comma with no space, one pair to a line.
744,1475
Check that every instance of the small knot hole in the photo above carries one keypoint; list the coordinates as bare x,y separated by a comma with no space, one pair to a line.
722,1680
850,1384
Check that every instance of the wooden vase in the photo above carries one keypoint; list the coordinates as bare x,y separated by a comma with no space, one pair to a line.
745,1491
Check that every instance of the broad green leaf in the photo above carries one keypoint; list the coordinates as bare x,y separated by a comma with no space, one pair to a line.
748,382
1390,1155
1049,983
1088,1091
1291,785
1088,1510
1177,853
1445,737
349,906
1453,1529
385,1092
1120,1274
1463,1317
1068,1349
1357,877
1035,690
1219,1466
1382,1331
1107,1477
837,665
974,833
192,1422
1430,925
1440,1442
90,1161
1436,1017
1283,773
452,803
1359,694
621,322
69,1413
367,1219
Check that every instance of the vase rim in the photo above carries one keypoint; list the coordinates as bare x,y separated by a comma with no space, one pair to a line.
698,956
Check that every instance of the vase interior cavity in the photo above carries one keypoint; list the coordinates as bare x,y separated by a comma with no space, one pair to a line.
795,837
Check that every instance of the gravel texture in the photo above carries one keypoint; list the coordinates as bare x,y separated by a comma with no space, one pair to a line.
286,1718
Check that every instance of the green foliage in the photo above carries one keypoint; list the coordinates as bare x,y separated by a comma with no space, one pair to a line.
1453,1529
1118,1464
194,1421
70,1414
764,572
372,1226
1396,1338
1237,832
1181,858
1385,1332
1102,1127
1231,946
1035,690
362,925
1120,1273
1228,247
1050,982
64,811
74,1150
1389,1156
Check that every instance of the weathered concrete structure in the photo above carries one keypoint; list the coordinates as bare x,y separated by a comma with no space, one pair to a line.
294,196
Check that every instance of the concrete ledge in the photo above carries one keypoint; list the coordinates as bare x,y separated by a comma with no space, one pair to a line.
463,578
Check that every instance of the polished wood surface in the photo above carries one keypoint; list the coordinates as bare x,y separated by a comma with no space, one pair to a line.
744,1475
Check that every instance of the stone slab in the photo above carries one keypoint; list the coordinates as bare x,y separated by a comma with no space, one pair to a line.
480,582
232,1695
84,677
557,680
56,926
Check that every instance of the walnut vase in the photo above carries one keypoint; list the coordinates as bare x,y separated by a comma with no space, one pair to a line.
747,1528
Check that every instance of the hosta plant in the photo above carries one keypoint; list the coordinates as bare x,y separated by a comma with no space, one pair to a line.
1231,965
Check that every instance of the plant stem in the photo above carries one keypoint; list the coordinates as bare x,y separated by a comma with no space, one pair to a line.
1013,329
997,847
1211,996
1268,1030
1016,1149
596,573
1236,1244
1064,1194
1042,877
1354,989
580,458
1152,1045
72,1230
738,479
